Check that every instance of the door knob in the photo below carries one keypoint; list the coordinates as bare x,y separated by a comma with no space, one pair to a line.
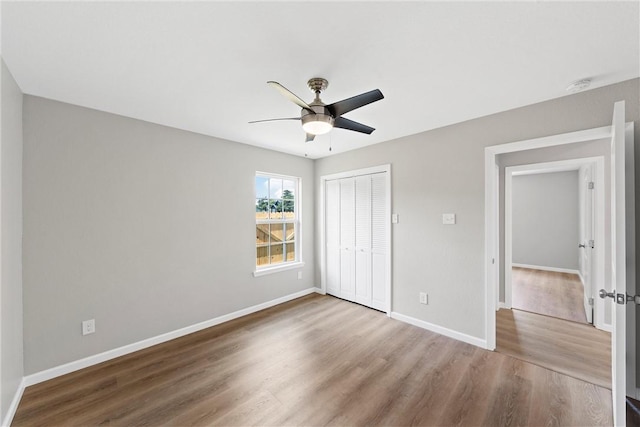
603,294
620,298
582,245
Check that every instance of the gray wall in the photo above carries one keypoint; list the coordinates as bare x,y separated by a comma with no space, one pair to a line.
442,171
144,228
545,219
11,368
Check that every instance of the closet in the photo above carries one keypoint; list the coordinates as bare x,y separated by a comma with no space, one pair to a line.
357,239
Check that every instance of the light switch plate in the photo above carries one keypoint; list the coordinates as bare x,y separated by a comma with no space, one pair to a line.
448,219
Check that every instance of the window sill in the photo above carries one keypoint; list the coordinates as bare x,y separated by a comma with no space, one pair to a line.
278,268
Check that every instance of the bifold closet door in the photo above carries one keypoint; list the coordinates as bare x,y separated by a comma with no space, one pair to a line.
356,238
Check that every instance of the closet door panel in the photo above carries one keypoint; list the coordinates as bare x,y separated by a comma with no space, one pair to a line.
363,239
347,238
332,236
379,238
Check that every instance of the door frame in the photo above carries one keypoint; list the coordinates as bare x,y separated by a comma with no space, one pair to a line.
492,241
598,255
386,168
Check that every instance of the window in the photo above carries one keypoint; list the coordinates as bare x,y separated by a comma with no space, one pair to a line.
277,221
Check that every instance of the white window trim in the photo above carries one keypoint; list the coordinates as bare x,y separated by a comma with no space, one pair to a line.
283,266
298,262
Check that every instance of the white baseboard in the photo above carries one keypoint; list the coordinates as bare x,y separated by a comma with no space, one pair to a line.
440,330
57,371
501,305
13,407
544,268
607,327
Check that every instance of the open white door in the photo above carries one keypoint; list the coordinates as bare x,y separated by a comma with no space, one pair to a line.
618,286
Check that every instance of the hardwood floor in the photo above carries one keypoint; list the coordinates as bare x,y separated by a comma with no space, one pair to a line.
317,360
546,292
575,349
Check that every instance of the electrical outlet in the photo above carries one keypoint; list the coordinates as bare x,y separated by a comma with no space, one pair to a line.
88,327
299,275
424,298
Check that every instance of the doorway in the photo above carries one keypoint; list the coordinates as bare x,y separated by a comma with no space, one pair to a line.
554,238
548,292
621,241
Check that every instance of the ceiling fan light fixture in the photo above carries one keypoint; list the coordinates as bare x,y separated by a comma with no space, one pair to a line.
317,124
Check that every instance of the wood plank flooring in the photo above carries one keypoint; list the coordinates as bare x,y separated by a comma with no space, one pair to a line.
550,293
317,360
575,349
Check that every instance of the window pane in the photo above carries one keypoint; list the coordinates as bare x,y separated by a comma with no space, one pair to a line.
262,255
277,233
262,187
275,188
288,189
276,253
275,207
291,252
262,234
262,208
290,234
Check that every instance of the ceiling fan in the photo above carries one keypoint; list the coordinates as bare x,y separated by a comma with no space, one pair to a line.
318,118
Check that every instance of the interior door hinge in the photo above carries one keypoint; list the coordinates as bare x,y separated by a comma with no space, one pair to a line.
591,185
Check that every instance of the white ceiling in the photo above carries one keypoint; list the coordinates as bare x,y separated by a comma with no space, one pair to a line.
203,66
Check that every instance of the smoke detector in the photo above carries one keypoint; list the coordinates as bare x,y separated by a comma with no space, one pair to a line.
579,85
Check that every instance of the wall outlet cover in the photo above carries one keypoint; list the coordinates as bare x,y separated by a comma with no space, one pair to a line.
88,327
424,298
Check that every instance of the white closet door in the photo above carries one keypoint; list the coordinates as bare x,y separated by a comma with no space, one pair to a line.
347,239
363,240
379,225
332,236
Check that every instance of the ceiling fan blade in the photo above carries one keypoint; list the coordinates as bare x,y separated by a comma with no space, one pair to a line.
273,120
291,96
343,123
309,137
341,107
